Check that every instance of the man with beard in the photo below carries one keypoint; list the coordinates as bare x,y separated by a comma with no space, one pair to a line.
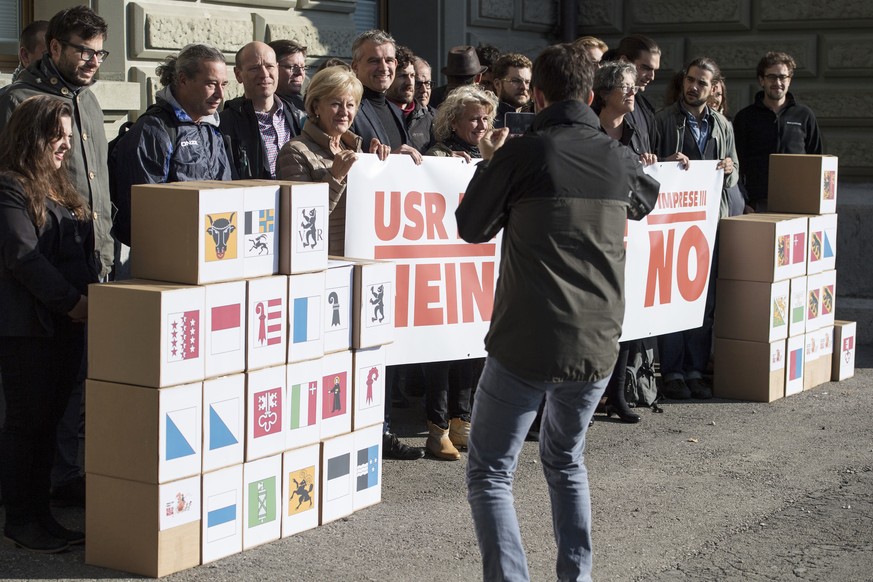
74,52
690,130
402,93
258,124
176,139
512,86
774,124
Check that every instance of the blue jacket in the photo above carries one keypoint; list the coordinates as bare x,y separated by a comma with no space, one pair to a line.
147,154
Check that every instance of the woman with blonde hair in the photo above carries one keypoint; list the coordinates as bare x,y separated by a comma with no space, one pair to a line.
47,261
461,122
326,149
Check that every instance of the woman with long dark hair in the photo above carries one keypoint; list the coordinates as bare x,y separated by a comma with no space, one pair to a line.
47,260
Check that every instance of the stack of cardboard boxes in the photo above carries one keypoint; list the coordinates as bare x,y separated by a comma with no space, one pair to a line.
236,385
775,295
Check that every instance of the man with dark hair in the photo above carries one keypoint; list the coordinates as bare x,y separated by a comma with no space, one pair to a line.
462,68
690,130
291,57
560,194
774,124
31,47
74,52
488,55
260,122
418,117
512,86
643,53
374,62
177,139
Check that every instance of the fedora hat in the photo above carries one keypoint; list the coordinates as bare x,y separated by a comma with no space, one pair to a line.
463,62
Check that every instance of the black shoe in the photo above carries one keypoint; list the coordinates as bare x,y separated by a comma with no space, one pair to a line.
623,414
676,389
699,389
34,538
392,448
71,536
69,493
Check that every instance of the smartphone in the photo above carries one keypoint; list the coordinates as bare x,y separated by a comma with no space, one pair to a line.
518,123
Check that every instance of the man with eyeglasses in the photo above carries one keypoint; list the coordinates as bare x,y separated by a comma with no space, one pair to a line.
774,124
291,57
402,92
512,73
74,52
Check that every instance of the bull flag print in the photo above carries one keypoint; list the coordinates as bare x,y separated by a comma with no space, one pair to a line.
303,399
267,322
268,412
338,469
367,471
334,389
222,510
260,226
220,241
301,490
262,502
307,319
183,336
225,331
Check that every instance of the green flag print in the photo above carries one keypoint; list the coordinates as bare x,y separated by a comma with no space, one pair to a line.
262,502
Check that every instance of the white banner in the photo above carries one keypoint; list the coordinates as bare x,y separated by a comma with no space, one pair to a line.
405,213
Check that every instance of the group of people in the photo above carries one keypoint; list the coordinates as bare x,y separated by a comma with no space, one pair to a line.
562,140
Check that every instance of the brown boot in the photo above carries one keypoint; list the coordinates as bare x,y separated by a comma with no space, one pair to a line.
439,444
459,432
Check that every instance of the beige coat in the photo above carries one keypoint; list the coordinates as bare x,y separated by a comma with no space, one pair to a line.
307,158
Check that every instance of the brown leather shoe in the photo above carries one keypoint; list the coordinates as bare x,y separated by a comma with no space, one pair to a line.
459,432
439,443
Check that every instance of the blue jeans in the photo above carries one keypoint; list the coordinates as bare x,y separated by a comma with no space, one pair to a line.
503,410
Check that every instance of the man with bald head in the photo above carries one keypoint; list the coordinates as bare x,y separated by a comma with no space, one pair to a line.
259,123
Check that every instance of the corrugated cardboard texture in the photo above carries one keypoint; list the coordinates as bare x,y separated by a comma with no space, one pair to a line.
169,209
742,372
795,184
743,310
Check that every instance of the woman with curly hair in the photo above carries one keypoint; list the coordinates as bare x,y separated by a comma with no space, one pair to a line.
462,121
47,260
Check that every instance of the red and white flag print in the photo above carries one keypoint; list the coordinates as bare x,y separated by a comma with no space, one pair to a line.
268,320
226,322
183,330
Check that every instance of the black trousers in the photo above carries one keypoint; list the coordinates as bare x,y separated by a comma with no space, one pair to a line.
39,373
449,389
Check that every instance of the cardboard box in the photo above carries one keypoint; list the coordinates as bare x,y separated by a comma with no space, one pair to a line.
844,350
794,364
820,299
259,228
368,468
751,310
305,316
819,350
267,337
146,333
822,253
303,408
222,513
224,413
339,280
301,474
303,211
373,316
142,434
265,411
147,529
187,232
802,183
225,331
747,370
368,387
762,247
336,394
262,501
797,306
337,478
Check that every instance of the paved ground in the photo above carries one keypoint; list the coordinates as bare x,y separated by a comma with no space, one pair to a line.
705,491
